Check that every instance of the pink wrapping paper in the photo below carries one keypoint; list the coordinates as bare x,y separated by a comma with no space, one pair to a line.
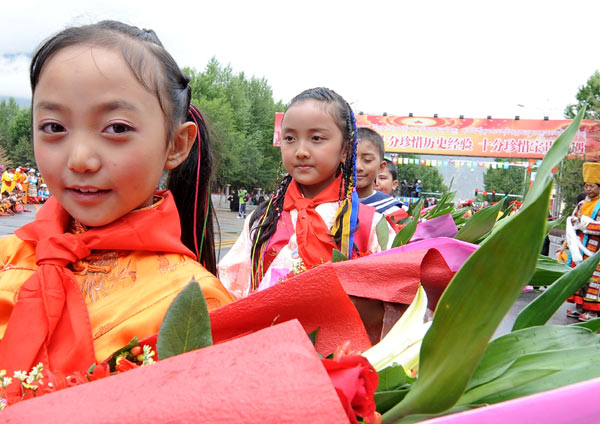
442,226
455,252
576,403
271,376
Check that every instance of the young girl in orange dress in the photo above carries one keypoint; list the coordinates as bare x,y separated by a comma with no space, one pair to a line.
107,253
315,209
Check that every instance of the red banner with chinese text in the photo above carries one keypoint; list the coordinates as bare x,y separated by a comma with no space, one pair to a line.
501,138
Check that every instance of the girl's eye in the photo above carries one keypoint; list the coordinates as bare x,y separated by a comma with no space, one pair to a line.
52,128
317,138
118,128
288,138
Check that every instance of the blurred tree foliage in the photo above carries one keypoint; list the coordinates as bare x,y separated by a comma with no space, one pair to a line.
240,114
569,179
15,135
506,181
429,175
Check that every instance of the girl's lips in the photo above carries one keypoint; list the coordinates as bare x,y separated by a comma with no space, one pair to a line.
87,194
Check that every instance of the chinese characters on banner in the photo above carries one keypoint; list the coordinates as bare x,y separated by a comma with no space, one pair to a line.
502,138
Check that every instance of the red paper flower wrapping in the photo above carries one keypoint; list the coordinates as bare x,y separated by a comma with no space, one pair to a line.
355,381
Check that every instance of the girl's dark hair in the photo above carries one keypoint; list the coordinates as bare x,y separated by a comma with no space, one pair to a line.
343,116
392,168
158,72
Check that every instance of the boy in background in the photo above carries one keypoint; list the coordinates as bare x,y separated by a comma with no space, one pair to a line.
387,180
369,163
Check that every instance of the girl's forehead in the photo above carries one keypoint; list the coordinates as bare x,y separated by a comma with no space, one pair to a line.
309,113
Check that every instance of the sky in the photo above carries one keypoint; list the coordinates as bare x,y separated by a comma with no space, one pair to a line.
471,58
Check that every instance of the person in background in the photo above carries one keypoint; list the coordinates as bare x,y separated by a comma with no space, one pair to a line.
43,193
387,179
8,183
370,163
32,190
243,199
583,237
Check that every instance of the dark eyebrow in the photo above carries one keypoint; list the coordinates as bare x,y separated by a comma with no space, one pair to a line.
44,105
118,104
105,107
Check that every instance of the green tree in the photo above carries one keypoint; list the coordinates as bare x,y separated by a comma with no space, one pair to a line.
569,179
240,113
20,127
429,175
8,110
508,181
23,153
588,96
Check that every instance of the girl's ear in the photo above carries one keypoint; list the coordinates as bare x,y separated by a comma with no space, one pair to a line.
183,140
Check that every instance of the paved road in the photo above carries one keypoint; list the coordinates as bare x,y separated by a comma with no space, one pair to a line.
230,227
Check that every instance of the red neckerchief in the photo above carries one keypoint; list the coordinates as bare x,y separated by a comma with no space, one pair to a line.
50,321
315,243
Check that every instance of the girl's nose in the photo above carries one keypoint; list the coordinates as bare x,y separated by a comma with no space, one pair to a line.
302,149
83,158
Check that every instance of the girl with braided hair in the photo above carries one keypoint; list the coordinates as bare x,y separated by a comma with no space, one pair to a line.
315,209
107,253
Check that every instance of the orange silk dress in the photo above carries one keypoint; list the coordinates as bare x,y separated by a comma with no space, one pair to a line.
127,292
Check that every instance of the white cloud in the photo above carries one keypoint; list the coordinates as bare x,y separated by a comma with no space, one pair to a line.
14,71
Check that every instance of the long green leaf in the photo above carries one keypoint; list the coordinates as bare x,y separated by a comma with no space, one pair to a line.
405,234
471,308
547,271
383,233
479,224
559,149
385,400
544,306
186,326
557,223
538,372
593,325
502,352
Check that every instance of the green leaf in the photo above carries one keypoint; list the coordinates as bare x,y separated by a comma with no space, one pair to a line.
112,362
383,233
470,309
313,335
559,149
545,305
416,211
507,211
186,326
338,256
557,223
547,271
393,377
385,400
479,224
593,325
502,352
405,234
537,372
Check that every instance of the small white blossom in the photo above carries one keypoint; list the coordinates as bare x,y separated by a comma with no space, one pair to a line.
148,354
20,375
5,381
